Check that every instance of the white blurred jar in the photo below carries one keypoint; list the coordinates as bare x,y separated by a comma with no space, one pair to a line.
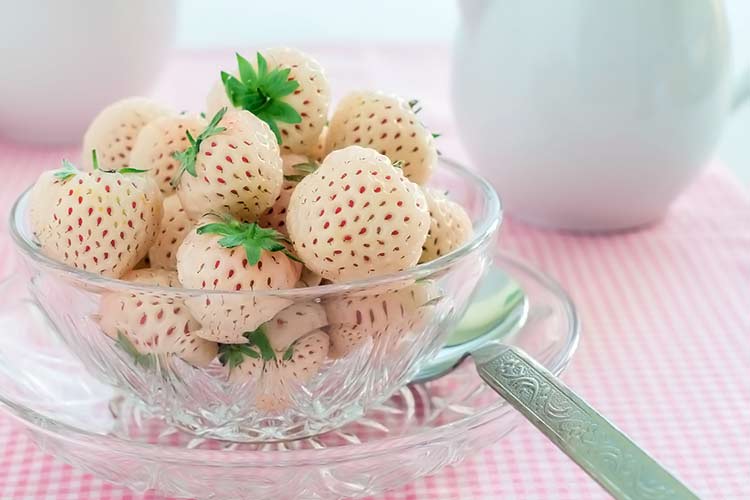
61,61
592,115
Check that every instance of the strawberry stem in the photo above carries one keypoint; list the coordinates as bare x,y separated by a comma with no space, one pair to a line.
187,157
261,92
250,236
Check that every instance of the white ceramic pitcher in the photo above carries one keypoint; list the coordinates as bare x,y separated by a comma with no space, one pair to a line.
591,115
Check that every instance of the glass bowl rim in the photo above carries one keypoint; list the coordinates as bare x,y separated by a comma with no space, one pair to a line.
557,363
484,230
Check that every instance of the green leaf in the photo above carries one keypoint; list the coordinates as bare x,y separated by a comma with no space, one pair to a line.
308,167
278,84
252,252
187,158
294,178
258,338
262,67
145,360
67,171
216,228
288,353
283,112
247,72
233,355
435,135
131,170
232,240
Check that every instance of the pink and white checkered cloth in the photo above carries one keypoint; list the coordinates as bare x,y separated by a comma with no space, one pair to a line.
666,313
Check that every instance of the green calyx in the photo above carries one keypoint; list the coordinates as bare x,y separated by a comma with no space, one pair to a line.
67,171
145,360
260,92
187,157
305,168
250,236
256,347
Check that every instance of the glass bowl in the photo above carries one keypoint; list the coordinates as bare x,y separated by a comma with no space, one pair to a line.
421,428
376,333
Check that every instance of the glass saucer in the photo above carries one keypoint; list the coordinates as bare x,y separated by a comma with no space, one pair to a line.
419,430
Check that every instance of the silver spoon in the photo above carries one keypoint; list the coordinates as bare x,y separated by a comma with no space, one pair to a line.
604,452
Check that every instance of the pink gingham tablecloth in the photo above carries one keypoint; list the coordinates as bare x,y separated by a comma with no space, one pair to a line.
665,350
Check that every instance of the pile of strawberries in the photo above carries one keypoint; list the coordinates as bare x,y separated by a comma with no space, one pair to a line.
262,192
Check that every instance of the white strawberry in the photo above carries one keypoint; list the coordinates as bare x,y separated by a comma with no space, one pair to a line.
385,315
295,168
233,166
158,141
450,226
278,368
356,216
387,124
319,153
286,88
154,322
293,322
225,254
101,222
175,225
114,131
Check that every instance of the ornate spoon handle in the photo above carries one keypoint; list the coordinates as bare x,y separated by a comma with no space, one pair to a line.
599,448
